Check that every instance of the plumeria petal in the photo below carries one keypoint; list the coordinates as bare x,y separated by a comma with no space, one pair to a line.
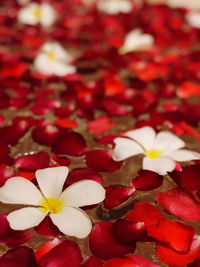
125,148
184,155
25,218
160,165
18,190
144,136
166,141
83,193
51,180
73,222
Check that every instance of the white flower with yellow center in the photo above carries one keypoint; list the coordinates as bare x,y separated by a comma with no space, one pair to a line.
136,41
161,150
62,207
35,13
114,7
53,59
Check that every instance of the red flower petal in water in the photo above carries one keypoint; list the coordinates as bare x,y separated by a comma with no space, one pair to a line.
127,232
117,194
173,258
4,229
4,100
180,203
113,108
4,154
101,160
92,262
147,180
80,174
144,212
142,261
180,236
66,253
188,178
70,143
19,257
14,70
47,228
6,172
105,140
100,125
29,175
62,161
121,262
46,134
44,249
66,123
113,86
103,245
188,89
31,162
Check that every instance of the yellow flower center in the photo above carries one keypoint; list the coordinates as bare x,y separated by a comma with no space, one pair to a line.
153,154
53,205
37,13
51,56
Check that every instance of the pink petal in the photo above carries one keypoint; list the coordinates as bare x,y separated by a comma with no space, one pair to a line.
18,257
117,194
103,245
70,143
46,135
101,160
66,253
180,203
147,180
31,162
127,232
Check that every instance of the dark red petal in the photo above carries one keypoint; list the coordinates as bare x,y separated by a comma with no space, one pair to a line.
147,180
47,228
29,175
188,178
14,70
4,100
173,258
105,140
4,154
180,203
66,253
113,108
19,257
103,245
121,262
80,174
142,261
31,162
62,161
64,112
16,238
101,160
100,125
144,212
117,194
4,229
126,232
180,236
6,172
70,143
46,135
92,262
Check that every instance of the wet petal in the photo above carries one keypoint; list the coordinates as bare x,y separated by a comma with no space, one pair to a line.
125,148
51,180
25,218
83,193
73,222
166,142
160,165
144,136
184,155
18,190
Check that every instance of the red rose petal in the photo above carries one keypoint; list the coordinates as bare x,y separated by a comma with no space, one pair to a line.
173,258
188,89
6,172
80,174
180,203
31,162
44,249
66,123
4,154
66,253
113,108
100,125
117,194
46,135
47,228
15,238
180,236
121,262
147,180
4,100
102,243
19,257
14,70
70,143
144,212
105,140
29,175
142,261
62,161
126,232
92,262
101,160
4,229
113,86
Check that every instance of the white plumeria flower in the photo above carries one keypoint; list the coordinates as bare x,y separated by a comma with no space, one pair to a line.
136,41
193,19
161,150
35,13
193,4
53,59
62,207
114,7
